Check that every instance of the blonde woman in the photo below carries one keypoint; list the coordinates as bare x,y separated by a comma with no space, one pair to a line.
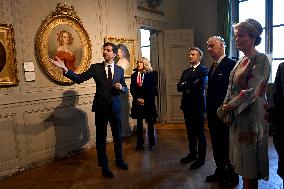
64,51
143,90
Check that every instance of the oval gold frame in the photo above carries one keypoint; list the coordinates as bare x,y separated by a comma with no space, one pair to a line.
67,16
8,75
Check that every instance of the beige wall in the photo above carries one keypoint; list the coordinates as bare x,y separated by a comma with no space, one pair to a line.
37,119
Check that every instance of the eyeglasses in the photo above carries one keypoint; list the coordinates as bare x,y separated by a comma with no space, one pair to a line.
241,35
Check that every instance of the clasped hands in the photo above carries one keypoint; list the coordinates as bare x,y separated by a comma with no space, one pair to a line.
227,107
140,101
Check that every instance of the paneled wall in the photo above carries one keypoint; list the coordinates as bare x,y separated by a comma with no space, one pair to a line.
201,16
41,120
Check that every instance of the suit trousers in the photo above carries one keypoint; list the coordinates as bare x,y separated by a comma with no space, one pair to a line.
194,122
278,141
219,134
150,130
102,120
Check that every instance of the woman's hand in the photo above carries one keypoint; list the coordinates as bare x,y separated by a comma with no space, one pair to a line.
59,63
227,107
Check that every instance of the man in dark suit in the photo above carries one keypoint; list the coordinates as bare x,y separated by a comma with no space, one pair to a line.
110,84
276,120
219,132
192,85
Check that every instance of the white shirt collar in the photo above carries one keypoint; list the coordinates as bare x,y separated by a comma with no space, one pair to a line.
111,64
196,65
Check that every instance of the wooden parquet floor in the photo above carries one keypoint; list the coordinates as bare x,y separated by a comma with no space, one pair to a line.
159,169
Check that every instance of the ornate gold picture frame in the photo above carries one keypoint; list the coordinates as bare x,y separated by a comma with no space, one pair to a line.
8,66
126,53
62,35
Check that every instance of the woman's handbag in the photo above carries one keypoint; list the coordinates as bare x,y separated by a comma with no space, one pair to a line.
225,116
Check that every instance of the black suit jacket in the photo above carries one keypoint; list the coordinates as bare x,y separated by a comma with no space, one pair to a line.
218,84
106,94
192,85
277,107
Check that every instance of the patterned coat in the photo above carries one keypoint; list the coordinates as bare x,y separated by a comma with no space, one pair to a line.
248,130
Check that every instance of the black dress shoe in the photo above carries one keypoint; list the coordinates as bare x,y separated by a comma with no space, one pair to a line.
198,163
152,148
213,178
229,180
107,172
189,158
121,165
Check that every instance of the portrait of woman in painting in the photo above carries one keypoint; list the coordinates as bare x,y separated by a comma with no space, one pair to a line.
123,57
64,51
2,56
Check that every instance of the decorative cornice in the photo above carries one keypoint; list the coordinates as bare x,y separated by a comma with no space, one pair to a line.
152,23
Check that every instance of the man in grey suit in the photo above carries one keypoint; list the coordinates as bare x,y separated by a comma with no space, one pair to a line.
110,83
219,132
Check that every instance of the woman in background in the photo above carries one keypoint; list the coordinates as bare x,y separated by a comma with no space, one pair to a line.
123,57
143,90
246,101
64,51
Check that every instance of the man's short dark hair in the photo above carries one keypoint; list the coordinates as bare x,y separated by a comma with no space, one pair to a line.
114,47
198,50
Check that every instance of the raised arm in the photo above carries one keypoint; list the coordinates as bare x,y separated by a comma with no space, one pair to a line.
59,63
256,84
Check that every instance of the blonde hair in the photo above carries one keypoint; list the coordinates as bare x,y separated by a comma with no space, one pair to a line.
146,62
252,27
60,37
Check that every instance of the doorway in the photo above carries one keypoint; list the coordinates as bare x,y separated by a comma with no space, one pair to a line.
168,55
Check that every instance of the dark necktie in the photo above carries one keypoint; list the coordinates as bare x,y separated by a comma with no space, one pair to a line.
109,74
215,65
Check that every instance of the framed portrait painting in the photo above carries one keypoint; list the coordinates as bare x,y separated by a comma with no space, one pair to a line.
125,55
62,35
8,67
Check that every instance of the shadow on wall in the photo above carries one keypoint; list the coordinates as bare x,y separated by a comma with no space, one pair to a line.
70,125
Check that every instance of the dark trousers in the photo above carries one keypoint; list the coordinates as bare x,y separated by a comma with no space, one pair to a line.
194,122
219,134
101,134
150,131
278,140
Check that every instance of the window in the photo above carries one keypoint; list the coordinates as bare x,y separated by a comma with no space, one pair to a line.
266,12
145,43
